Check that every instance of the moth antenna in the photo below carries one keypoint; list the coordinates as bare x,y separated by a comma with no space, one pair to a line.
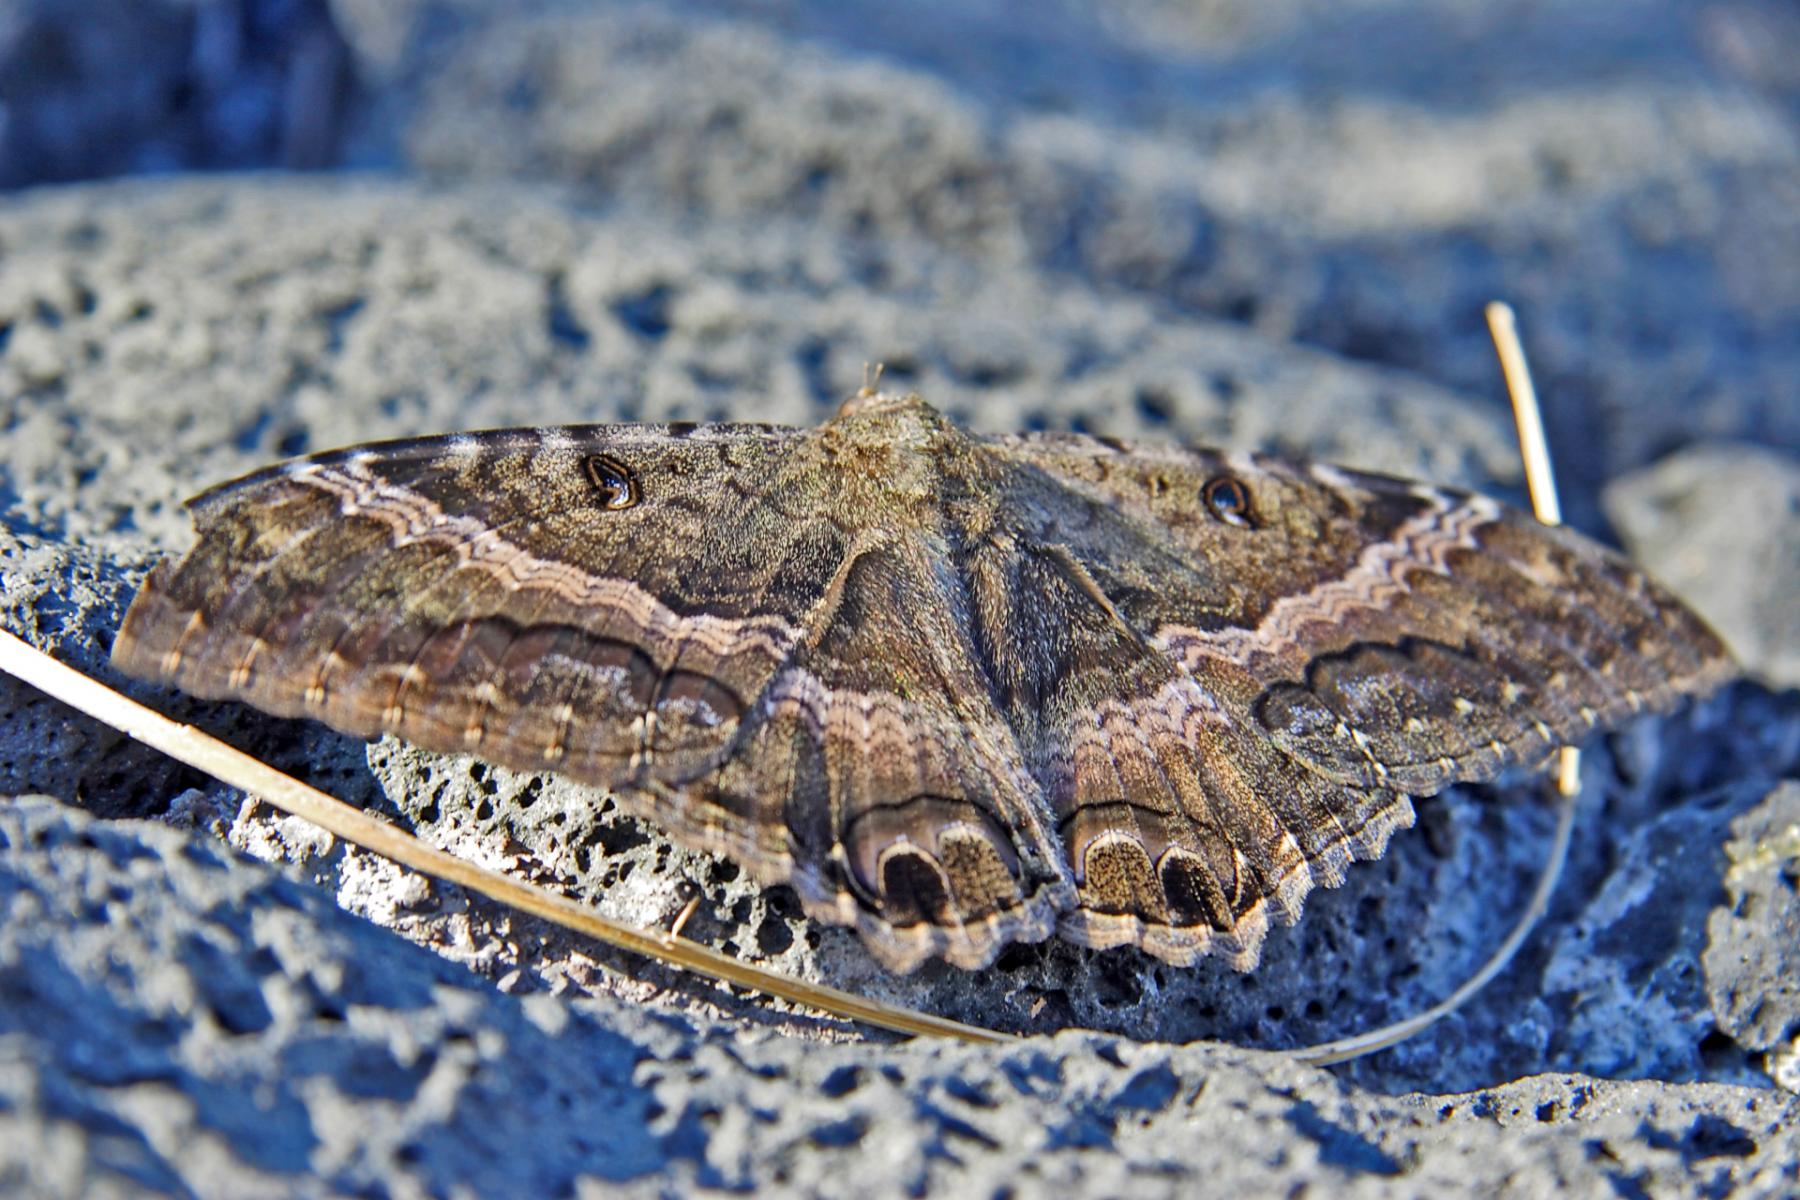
256,778
871,379
1534,449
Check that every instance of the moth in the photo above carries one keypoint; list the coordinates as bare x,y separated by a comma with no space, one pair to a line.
956,691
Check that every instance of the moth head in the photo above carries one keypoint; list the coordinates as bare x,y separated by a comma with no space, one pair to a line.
888,449
896,418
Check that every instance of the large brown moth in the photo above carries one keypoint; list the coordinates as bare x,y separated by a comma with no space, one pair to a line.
957,691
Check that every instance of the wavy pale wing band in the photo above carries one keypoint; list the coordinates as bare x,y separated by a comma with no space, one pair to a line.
957,691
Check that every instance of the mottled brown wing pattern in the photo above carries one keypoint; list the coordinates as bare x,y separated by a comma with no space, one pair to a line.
914,818
490,594
683,615
1336,642
957,691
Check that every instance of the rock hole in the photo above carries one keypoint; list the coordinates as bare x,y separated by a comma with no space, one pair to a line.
565,329
646,313
336,320
836,1135
841,1082
1015,957
774,936
1154,406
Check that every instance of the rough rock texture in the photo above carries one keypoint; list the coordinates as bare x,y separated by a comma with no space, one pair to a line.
177,1018
1677,516
1124,230
1752,958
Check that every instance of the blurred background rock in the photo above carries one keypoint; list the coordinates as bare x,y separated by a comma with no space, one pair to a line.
1356,177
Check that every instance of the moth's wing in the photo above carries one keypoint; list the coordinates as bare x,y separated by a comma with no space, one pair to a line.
721,651
604,601
912,814
1281,686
